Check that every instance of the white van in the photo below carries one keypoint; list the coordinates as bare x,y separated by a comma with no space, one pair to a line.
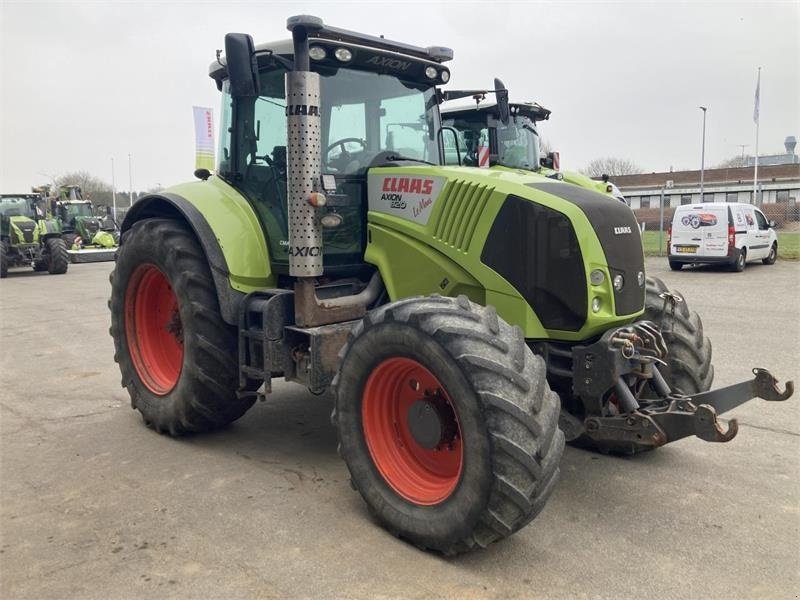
720,233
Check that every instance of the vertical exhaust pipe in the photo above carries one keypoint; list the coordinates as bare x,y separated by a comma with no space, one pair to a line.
303,153
303,157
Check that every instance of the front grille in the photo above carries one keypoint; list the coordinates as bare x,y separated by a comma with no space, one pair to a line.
535,249
463,205
27,230
616,228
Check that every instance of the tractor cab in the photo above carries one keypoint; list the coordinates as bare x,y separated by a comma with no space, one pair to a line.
380,108
488,141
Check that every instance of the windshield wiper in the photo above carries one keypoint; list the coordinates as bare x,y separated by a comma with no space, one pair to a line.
398,157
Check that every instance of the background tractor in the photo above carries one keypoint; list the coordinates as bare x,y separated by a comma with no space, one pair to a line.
442,305
487,141
27,238
89,238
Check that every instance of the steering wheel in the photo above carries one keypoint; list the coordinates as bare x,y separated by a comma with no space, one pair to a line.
341,161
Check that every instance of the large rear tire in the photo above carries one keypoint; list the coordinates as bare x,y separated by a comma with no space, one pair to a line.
57,257
494,457
176,354
740,261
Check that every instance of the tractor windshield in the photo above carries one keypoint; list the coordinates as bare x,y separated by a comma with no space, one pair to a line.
16,206
517,141
365,118
518,144
363,114
79,210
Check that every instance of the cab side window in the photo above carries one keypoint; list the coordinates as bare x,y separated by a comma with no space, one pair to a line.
761,220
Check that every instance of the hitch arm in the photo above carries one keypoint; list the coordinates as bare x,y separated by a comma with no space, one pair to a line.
763,385
686,416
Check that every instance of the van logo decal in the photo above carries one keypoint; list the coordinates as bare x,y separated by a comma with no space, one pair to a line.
621,230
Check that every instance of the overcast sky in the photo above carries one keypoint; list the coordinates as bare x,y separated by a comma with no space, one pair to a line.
82,82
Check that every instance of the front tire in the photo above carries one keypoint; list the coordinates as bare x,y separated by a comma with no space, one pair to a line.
493,459
57,257
176,354
772,256
3,260
689,369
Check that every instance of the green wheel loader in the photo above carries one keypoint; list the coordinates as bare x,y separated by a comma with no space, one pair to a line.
442,305
29,239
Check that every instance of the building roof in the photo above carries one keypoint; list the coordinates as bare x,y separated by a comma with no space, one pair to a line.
766,173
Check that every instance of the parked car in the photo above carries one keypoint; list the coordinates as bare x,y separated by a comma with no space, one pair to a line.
712,233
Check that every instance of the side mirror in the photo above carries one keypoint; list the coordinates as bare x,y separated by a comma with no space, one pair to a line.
502,101
773,224
240,58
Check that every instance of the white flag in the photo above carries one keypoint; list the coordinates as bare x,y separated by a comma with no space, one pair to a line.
204,137
758,98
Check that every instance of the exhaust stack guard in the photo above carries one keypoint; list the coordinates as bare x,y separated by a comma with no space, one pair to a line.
305,197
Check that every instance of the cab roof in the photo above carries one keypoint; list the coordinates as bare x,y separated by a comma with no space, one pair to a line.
532,110
335,37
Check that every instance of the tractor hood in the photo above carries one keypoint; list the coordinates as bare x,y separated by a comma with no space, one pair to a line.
558,246
23,230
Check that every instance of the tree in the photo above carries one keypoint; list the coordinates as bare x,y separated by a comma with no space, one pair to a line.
611,166
90,185
736,161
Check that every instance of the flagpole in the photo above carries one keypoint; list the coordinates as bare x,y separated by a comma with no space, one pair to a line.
757,118
113,190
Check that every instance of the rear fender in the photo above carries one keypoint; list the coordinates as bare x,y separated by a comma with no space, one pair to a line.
226,227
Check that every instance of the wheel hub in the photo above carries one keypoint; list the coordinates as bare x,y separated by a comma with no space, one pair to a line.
432,422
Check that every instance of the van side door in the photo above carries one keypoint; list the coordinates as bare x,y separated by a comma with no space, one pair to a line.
762,236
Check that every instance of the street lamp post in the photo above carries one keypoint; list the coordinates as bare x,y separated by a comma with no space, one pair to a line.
703,153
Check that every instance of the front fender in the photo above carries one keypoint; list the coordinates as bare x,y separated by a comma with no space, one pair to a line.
228,230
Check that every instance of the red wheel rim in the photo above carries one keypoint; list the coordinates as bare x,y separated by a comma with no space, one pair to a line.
153,329
420,475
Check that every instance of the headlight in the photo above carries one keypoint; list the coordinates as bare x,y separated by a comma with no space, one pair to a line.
430,73
619,282
597,277
343,54
445,76
595,304
317,53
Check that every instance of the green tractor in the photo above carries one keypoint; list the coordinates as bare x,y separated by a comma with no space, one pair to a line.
445,307
29,239
514,144
89,238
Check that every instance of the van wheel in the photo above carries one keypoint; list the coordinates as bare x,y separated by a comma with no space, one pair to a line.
741,260
675,266
772,256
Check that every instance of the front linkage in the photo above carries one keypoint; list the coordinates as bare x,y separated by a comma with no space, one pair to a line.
627,400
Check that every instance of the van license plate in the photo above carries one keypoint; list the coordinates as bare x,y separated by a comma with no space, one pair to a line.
686,249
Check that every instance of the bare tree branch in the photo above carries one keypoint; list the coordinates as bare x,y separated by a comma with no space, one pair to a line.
611,166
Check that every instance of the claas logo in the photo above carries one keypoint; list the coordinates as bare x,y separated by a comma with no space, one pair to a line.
408,184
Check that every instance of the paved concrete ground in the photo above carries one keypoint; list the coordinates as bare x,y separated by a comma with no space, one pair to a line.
94,505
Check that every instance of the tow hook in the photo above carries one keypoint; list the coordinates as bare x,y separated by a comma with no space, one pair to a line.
680,416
